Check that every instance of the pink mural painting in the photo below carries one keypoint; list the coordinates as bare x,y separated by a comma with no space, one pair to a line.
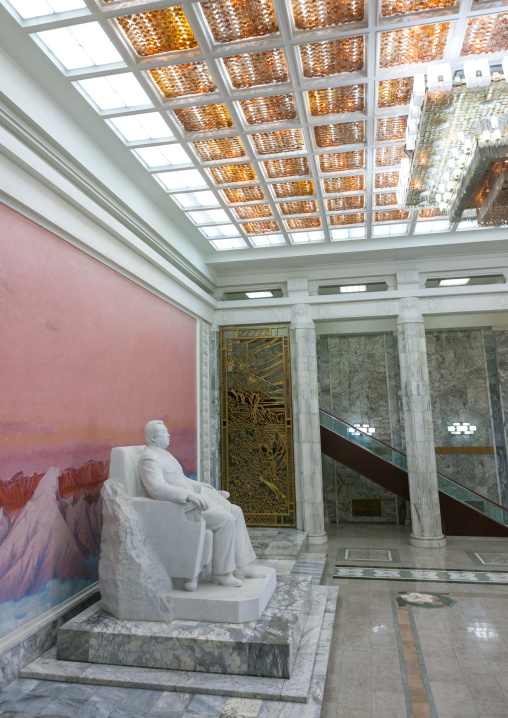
87,357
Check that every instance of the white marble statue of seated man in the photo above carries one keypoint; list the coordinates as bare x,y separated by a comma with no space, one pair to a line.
164,480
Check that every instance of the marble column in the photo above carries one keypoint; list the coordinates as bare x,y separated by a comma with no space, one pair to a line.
209,424
306,433
414,376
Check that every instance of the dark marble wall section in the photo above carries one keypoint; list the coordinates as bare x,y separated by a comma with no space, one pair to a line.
459,389
496,353
358,383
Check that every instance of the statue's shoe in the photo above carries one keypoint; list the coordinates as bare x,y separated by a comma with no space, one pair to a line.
227,580
251,572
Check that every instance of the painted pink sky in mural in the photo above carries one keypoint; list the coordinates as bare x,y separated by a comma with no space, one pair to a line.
87,357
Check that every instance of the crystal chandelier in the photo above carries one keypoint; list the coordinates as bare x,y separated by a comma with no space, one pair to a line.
457,144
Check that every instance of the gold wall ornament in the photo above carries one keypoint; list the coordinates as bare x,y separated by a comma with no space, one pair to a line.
268,109
257,427
332,57
413,45
287,167
231,20
156,31
302,207
428,212
345,203
338,185
337,100
191,78
293,189
340,220
243,194
394,93
204,117
256,68
486,34
343,133
253,212
224,148
261,227
272,143
314,14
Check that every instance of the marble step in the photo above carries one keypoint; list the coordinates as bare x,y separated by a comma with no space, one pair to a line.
267,647
306,682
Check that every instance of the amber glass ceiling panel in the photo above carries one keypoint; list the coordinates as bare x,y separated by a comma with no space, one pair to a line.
261,227
342,161
291,167
156,31
206,117
344,133
337,220
225,148
486,34
227,174
293,189
313,14
401,7
393,215
304,223
337,185
345,203
304,207
244,194
230,20
268,109
429,212
271,143
320,59
389,156
192,78
413,45
337,100
385,200
257,68
391,128
386,180
254,212
392,93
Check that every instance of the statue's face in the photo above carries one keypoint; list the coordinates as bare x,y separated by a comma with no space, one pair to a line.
160,436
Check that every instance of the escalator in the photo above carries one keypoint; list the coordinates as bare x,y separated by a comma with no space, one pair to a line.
463,511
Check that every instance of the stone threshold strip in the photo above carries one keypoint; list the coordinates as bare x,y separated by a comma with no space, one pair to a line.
431,575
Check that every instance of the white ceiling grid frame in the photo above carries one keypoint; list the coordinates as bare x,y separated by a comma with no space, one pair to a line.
288,39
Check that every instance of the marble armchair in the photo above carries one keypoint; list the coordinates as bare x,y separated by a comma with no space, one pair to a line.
176,533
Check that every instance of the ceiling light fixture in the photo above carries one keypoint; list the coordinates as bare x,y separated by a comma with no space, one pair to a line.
259,295
459,281
349,288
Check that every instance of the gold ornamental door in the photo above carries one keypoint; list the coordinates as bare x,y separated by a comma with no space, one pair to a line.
257,432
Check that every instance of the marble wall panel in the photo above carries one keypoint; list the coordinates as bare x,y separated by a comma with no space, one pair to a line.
459,391
496,349
359,383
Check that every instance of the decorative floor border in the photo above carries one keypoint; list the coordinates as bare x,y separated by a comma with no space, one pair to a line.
430,575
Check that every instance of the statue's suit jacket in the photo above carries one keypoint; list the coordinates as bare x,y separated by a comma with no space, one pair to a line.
163,477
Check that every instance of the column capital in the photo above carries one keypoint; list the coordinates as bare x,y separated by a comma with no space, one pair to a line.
301,316
409,310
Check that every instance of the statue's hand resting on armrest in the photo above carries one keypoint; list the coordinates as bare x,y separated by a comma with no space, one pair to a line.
198,501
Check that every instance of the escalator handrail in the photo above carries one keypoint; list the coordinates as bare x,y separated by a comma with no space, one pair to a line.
483,498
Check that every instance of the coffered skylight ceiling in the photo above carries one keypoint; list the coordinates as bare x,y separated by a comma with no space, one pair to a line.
267,123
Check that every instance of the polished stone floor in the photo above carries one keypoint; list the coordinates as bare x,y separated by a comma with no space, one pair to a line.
416,649
400,649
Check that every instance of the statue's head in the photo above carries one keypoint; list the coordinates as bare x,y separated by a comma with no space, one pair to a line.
156,434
